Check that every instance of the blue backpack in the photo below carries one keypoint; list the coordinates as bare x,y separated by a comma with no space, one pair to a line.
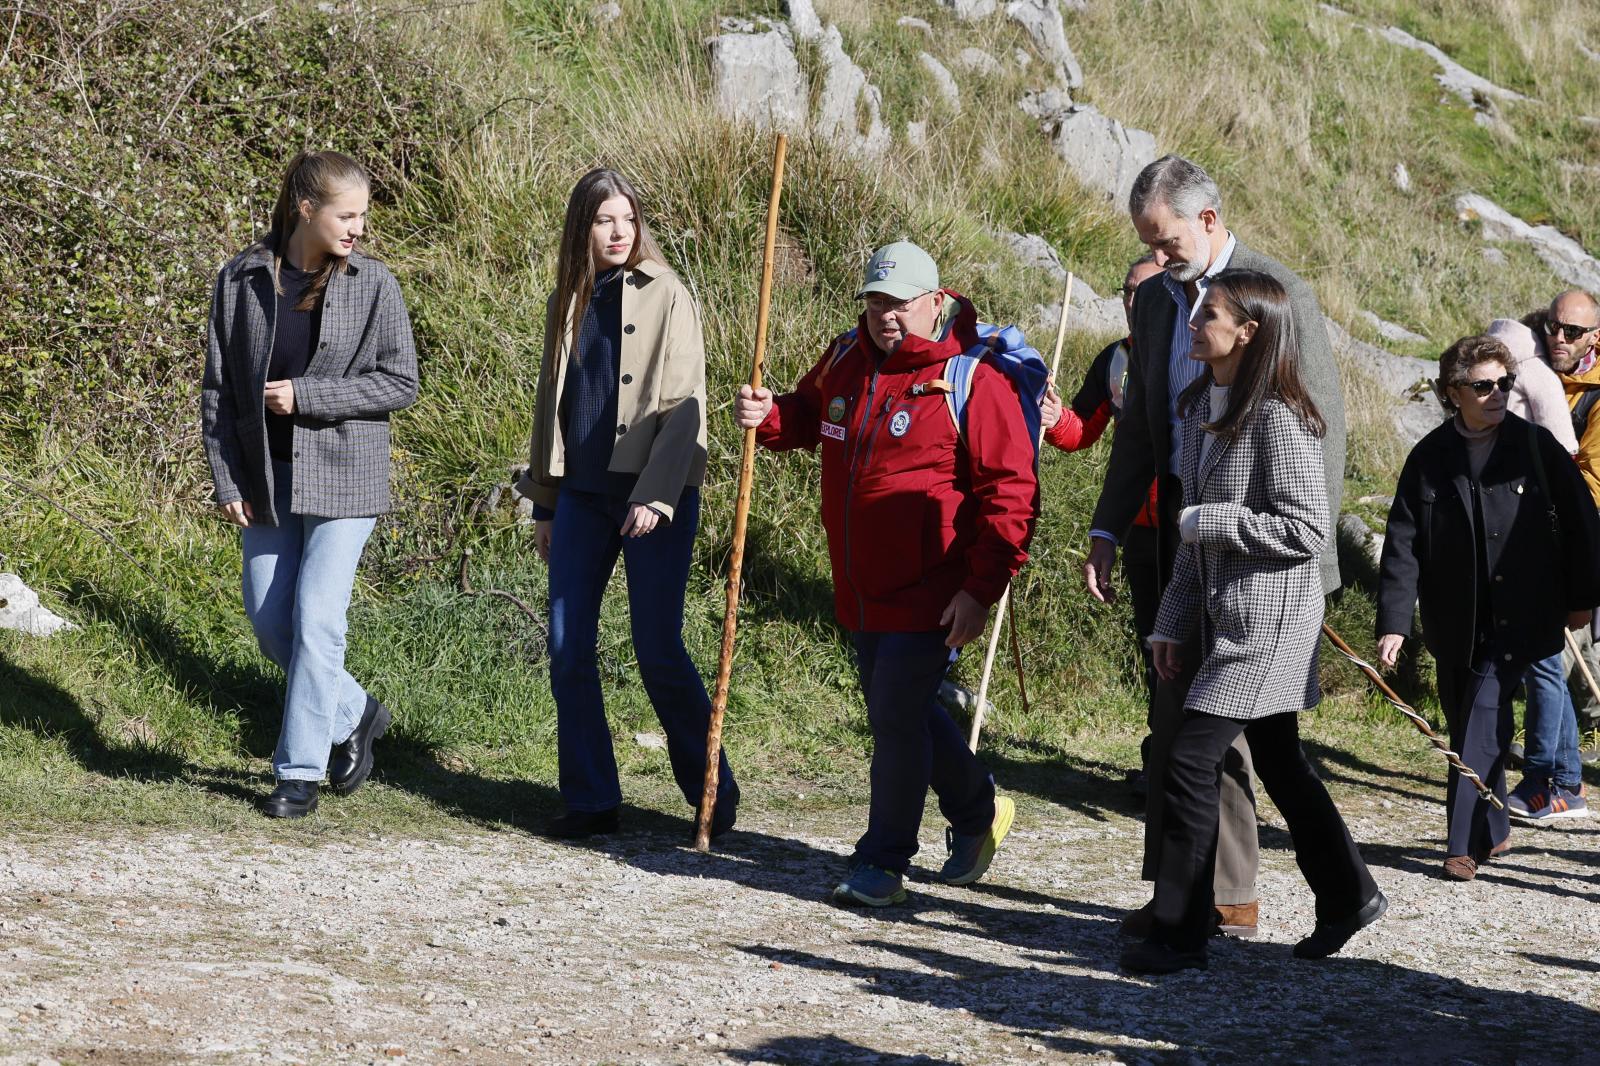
1006,351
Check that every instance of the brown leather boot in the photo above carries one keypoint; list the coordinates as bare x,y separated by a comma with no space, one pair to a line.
1237,919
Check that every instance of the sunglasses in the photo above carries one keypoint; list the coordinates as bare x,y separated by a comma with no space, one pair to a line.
1484,386
1566,329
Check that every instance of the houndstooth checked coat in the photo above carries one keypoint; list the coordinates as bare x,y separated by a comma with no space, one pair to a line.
364,367
1251,580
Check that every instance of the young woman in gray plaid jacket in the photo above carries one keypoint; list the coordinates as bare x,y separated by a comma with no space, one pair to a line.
1254,524
308,351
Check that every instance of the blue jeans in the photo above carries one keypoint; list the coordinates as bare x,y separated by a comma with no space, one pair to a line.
584,544
915,745
297,582
1550,751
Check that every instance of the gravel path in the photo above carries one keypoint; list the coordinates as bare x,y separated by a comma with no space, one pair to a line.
499,947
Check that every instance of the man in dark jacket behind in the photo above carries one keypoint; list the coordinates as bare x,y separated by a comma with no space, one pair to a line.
927,522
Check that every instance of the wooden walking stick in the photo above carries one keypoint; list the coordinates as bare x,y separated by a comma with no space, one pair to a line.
1583,667
1005,597
741,516
1417,720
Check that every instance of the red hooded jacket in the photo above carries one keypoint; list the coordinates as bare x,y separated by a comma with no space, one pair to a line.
914,512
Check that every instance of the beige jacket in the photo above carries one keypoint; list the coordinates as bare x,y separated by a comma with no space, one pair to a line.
661,396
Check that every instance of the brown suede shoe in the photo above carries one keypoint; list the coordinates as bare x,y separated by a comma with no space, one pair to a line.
1494,852
1141,923
1460,868
1237,919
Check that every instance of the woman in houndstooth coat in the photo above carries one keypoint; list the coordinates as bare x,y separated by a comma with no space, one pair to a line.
1254,524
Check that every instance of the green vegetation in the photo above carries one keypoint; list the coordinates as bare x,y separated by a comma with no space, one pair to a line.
141,148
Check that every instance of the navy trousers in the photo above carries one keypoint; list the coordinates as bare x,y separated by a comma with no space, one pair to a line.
915,745
1478,710
584,544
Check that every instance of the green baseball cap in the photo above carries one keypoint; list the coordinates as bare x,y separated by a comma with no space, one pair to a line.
901,270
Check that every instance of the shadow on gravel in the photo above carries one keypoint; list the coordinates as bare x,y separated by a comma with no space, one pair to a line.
1429,862
828,1050
1089,787
1255,1003
1336,764
1581,965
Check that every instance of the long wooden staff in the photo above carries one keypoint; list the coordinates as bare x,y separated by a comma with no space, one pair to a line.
741,516
1416,719
1005,597
1583,667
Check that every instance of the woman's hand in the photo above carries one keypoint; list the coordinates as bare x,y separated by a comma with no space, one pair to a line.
1168,663
541,537
1389,649
1050,406
238,512
965,616
280,397
641,520
750,409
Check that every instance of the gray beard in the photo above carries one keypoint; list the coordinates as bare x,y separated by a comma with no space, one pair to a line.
1187,273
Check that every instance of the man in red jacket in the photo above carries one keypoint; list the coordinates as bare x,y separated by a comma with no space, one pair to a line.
927,522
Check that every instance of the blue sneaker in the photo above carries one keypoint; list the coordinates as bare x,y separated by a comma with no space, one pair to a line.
1525,792
870,886
970,856
1554,803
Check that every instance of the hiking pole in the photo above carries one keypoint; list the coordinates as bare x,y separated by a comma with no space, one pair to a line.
741,516
1005,597
1416,719
1583,667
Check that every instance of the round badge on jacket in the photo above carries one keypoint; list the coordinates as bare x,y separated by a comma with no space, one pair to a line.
836,408
900,423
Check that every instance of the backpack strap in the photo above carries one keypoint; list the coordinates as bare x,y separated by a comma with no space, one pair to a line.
958,371
1581,410
1542,475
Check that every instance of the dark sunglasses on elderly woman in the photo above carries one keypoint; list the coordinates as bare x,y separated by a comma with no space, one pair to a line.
1484,386
1566,329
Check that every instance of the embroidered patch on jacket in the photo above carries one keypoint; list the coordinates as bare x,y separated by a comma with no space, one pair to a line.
900,423
833,431
836,408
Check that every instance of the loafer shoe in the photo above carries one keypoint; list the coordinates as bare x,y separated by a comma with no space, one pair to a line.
1149,956
1237,919
351,762
575,825
870,886
291,799
1329,937
1460,868
970,856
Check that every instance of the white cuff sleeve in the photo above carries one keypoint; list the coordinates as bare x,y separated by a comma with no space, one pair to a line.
1189,524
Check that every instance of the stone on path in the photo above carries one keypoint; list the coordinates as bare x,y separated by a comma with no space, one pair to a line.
1564,256
758,80
1389,331
1104,154
943,80
1042,20
844,85
20,610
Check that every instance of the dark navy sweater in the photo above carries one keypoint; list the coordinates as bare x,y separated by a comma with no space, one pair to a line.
588,411
294,335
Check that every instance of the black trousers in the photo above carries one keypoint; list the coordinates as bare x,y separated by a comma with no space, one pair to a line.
1322,844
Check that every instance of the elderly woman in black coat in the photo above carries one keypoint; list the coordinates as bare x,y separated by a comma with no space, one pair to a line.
1493,531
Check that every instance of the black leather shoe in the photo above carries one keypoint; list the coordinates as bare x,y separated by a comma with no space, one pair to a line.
1328,938
351,762
291,799
1149,956
575,825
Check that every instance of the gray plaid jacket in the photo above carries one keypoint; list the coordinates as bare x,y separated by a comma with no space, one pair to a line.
364,366
1251,579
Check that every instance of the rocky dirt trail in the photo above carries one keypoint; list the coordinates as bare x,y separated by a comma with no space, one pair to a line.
492,947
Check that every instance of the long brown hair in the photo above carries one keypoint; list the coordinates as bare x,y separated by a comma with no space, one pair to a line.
575,263
315,177
1270,363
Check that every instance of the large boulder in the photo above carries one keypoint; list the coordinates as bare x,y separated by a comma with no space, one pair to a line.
1042,20
1563,255
1104,154
20,610
758,80
803,19
1091,313
844,88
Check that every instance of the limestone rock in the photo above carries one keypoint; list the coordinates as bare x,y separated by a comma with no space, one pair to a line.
1042,20
943,80
607,12
916,134
1049,106
20,610
1405,380
1401,177
650,741
1494,256
1104,154
1389,331
911,22
1563,255
970,10
803,19
977,61
758,80
1453,76
844,86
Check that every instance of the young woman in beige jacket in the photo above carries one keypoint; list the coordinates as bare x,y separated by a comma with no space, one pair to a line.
615,465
